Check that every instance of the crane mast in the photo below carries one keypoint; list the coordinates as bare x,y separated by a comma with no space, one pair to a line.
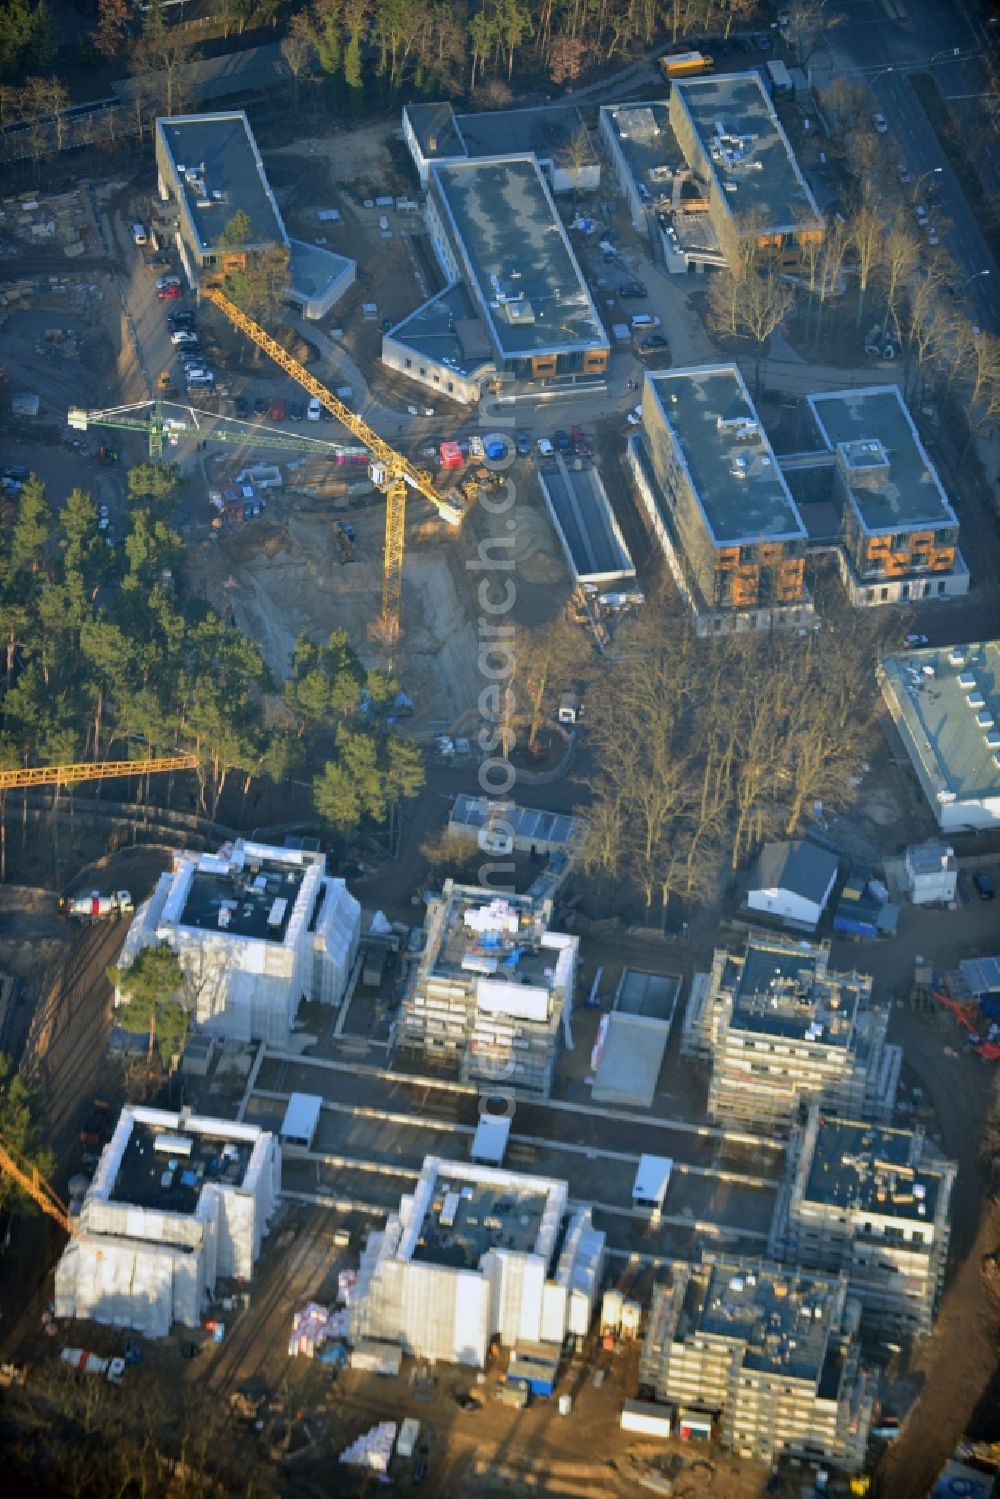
390,471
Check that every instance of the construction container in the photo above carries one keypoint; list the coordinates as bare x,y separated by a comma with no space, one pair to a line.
406,1442
565,1404
611,1311
647,1417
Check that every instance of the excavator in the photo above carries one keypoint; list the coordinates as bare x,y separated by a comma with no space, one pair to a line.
964,1014
389,471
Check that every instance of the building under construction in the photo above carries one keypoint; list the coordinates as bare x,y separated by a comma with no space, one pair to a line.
492,991
177,1202
872,1203
257,929
771,1356
781,1030
476,1253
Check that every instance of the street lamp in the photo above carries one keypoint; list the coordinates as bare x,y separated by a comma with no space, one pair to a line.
974,277
934,172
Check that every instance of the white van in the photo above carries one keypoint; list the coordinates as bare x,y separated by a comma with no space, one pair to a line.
545,447
313,410
139,236
644,321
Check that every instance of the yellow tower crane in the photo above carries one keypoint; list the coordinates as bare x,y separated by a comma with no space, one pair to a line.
31,1180
104,770
389,470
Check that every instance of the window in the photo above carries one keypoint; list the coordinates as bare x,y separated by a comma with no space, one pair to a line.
408,364
941,587
423,371
883,594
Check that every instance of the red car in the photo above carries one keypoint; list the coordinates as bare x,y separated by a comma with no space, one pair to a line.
169,293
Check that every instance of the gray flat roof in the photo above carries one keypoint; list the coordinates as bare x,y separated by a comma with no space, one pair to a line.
313,268
783,1319
736,510
503,215
545,132
940,726
905,491
435,129
630,1062
150,1178
868,1167
784,989
250,898
764,170
582,514
486,1217
647,140
224,145
431,331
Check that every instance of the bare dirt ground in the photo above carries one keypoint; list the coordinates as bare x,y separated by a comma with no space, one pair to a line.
284,578
956,1365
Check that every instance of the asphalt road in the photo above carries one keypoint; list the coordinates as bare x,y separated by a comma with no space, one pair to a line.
934,36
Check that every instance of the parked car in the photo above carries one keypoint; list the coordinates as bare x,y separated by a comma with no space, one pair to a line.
921,213
162,281
139,236
881,124
181,336
904,173
763,41
561,440
296,411
241,409
17,473
983,885
326,416
654,343
635,416
744,43
198,374
522,443
545,448
276,410
260,406
916,640
932,235
315,409
157,263
170,293
630,289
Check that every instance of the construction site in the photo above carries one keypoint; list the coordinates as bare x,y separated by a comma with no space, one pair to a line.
450,1185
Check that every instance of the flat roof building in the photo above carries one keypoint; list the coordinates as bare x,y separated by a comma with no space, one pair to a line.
716,500
730,135
899,531
492,990
946,706
555,135
773,1351
780,1030
666,199
209,167
494,225
477,1252
873,1203
257,930
177,1202
444,345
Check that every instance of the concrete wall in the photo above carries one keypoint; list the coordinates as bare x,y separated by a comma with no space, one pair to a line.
440,378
